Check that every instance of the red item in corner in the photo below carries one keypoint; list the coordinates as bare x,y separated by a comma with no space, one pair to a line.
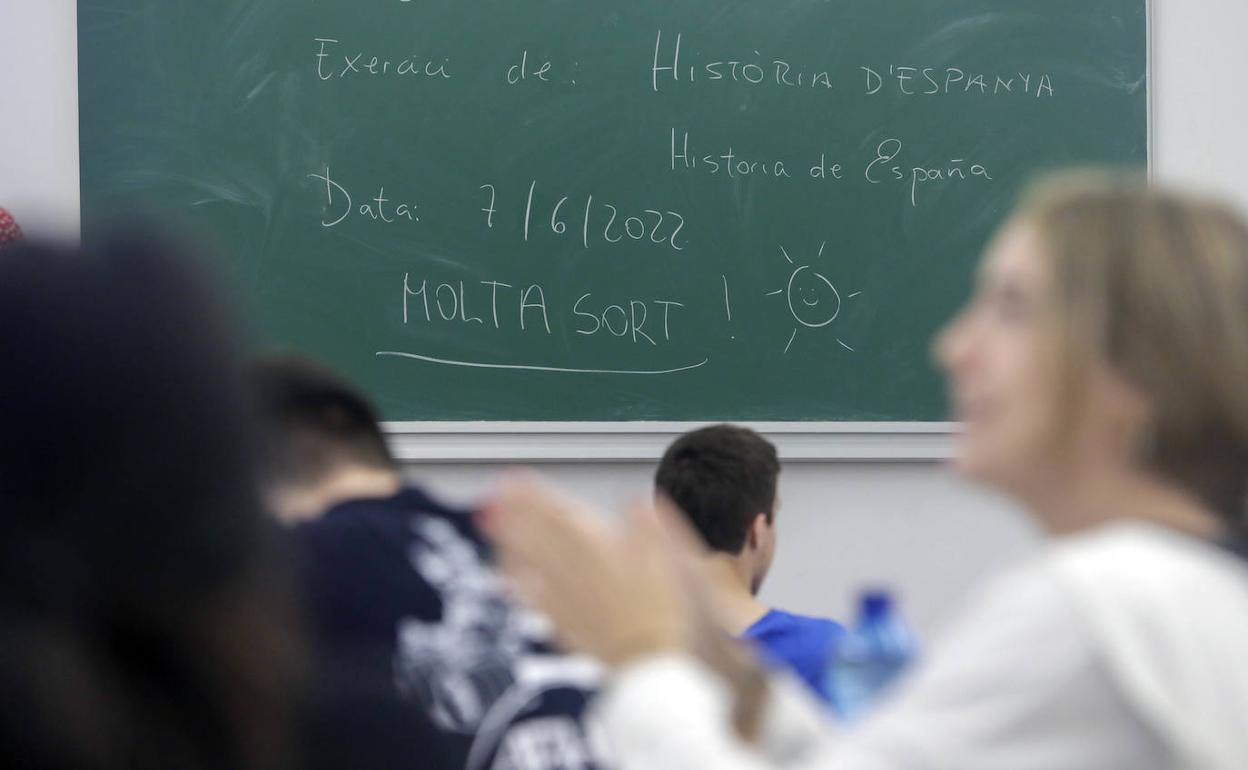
10,233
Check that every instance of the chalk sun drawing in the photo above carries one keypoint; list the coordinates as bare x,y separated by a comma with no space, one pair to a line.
813,300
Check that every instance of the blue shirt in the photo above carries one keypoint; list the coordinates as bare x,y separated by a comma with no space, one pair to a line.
797,642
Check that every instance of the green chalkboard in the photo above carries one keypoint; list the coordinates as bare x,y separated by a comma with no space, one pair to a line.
605,210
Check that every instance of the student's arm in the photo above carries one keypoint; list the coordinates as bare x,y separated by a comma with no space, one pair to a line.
672,712
1015,686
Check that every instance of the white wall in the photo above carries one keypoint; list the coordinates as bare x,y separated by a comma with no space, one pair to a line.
908,524
1199,106
39,114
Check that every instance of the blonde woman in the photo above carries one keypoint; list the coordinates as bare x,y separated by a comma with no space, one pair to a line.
1101,376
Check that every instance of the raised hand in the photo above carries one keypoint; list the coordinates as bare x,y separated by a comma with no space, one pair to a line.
610,588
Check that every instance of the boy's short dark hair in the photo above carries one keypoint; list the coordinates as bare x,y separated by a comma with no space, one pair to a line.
721,477
312,421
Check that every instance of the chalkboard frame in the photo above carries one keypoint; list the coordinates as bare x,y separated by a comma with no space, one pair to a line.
632,442
508,442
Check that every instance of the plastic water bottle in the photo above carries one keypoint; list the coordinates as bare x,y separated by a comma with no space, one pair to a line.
867,659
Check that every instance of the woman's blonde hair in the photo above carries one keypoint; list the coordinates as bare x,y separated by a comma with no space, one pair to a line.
1155,283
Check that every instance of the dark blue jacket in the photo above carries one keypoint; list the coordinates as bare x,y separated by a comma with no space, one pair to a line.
402,592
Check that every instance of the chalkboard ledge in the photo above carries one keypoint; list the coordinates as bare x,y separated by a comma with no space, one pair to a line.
623,442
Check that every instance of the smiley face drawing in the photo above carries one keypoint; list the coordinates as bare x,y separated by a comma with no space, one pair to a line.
813,299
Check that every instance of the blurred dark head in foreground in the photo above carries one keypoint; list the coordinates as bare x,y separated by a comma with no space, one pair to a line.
140,620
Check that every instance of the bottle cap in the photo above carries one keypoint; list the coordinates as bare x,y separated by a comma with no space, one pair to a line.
875,603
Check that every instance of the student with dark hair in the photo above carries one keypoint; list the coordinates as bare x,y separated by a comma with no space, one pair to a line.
723,478
321,441
400,590
143,622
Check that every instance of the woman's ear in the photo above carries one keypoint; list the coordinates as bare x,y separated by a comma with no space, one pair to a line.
1128,412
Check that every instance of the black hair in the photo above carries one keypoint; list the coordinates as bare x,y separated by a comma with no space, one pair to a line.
140,614
721,477
312,422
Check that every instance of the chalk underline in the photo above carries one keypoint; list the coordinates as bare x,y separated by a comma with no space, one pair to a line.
535,368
